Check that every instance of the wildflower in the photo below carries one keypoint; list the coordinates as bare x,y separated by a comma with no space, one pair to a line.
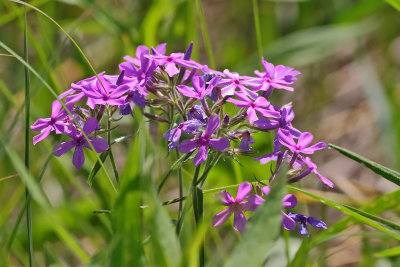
55,122
303,220
260,105
204,140
246,141
79,141
196,113
236,207
234,81
274,77
199,86
302,145
170,62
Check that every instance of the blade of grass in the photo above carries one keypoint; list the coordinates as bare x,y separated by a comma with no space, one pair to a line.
204,31
257,28
27,142
378,223
383,171
394,3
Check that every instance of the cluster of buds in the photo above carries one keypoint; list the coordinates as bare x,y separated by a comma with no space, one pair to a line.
190,98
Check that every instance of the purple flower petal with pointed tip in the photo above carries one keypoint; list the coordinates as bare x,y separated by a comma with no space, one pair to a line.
221,217
289,201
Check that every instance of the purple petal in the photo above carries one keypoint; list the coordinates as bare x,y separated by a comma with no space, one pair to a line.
213,124
219,144
40,124
221,217
100,145
228,90
79,157
187,91
62,148
265,190
316,223
171,69
266,124
303,228
289,201
188,145
251,113
311,149
324,179
42,135
90,125
243,190
252,203
55,108
287,222
238,103
239,222
227,199
201,156
305,139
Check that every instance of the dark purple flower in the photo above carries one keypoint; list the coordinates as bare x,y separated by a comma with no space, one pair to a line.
302,145
275,77
55,122
197,113
174,135
203,141
79,141
303,220
236,207
260,105
233,81
246,141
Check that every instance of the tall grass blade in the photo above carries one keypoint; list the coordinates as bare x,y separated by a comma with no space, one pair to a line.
205,34
27,142
376,222
263,230
383,171
394,3
257,28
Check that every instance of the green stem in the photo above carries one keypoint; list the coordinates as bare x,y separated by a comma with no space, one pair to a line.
204,32
109,145
258,28
27,142
180,186
197,199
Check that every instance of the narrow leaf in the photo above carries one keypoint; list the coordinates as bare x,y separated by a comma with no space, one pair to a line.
97,167
383,171
388,252
394,3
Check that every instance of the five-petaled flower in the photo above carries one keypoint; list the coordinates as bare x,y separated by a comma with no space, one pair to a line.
79,141
202,141
237,206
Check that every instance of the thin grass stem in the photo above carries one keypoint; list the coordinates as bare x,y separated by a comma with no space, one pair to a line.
257,28
205,34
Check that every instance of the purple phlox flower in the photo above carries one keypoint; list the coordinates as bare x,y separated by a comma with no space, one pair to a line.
206,70
197,113
170,62
303,142
246,141
55,122
283,122
106,93
278,156
174,135
133,97
202,141
275,77
199,90
79,141
311,167
260,105
236,207
303,220
234,81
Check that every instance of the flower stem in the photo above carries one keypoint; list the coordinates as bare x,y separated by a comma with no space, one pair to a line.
180,185
109,145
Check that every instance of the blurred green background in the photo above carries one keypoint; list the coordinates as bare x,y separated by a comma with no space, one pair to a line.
348,94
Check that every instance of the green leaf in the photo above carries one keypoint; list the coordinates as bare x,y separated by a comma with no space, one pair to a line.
263,229
383,171
388,252
301,256
97,167
378,223
394,3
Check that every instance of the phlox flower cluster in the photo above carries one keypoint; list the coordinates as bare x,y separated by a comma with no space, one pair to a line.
190,98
